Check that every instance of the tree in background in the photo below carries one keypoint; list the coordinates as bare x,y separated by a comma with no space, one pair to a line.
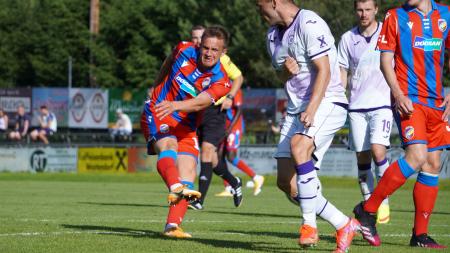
38,36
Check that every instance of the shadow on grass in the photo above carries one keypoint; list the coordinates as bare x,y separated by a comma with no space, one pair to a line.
122,204
273,215
216,243
286,235
412,211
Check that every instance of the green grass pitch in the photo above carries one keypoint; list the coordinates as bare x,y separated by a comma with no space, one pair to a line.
126,213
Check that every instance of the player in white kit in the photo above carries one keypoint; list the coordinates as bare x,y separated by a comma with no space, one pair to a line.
302,50
370,101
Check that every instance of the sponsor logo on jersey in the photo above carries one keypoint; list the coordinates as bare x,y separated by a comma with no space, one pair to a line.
164,128
442,24
184,64
311,22
433,44
409,132
185,85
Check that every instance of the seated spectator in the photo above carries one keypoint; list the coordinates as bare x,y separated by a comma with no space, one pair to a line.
22,123
123,126
47,122
3,121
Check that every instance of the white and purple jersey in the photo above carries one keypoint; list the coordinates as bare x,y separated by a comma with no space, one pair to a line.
307,38
358,54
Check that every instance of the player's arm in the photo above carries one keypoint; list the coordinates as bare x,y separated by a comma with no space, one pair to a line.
235,75
344,75
235,119
402,103
322,66
446,103
196,104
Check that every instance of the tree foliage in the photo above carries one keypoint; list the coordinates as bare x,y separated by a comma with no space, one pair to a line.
38,36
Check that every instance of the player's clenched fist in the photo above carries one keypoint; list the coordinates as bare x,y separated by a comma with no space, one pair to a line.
291,66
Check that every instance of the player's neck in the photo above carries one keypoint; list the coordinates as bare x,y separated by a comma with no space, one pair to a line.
288,16
425,7
369,30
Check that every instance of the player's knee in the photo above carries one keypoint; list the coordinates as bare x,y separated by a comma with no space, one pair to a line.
379,153
302,147
416,158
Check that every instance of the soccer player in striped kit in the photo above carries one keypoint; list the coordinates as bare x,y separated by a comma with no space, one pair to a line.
416,36
190,80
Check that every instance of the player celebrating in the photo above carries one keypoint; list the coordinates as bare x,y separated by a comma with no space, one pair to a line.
189,80
235,129
370,103
212,132
302,50
415,35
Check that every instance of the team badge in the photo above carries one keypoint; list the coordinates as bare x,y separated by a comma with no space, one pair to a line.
206,82
164,128
409,132
442,24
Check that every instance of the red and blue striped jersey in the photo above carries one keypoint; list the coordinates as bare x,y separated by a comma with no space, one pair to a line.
186,81
418,42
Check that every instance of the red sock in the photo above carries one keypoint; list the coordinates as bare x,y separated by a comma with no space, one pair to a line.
177,212
168,170
424,199
392,179
245,168
225,183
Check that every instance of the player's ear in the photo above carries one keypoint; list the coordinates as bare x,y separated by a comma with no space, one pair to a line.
224,51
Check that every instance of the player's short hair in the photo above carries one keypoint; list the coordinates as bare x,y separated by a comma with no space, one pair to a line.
375,2
217,31
43,107
197,27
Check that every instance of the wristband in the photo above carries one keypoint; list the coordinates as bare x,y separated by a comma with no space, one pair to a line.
230,96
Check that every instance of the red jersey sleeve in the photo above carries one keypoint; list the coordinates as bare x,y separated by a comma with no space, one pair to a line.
237,101
387,41
219,89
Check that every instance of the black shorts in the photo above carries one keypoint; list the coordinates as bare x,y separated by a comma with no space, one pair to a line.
212,126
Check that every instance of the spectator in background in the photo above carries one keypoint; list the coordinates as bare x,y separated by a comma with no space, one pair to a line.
47,122
123,126
3,121
22,124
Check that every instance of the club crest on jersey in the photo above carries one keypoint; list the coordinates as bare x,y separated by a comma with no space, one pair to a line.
433,44
409,132
164,128
442,24
206,82
185,85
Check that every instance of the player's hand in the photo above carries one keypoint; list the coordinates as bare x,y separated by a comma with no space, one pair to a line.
226,104
291,66
307,118
404,106
164,109
446,105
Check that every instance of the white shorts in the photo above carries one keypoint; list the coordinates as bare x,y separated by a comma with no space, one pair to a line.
366,128
328,120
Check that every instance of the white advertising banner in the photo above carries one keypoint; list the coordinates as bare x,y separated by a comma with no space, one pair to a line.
53,159
14,159
337,161
88,108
